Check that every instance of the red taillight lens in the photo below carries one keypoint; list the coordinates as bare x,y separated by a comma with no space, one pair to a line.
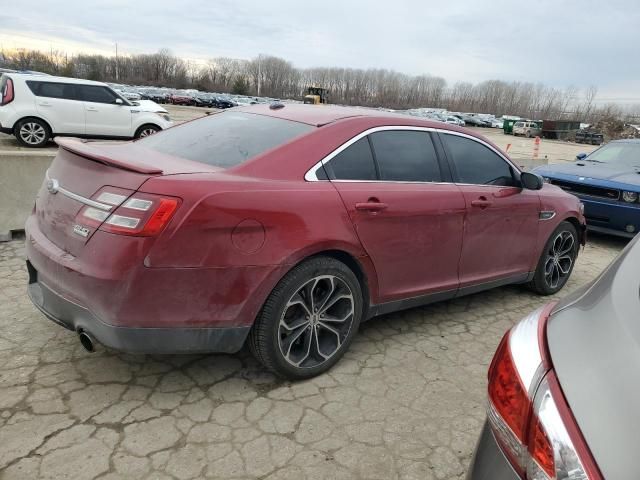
142,215
527,410
506,392
7,92
540,447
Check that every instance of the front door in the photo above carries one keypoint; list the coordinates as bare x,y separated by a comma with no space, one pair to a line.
103,117
501,224
410,225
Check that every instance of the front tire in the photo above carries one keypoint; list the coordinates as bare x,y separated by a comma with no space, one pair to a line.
309,320
32,132
557,260
146,130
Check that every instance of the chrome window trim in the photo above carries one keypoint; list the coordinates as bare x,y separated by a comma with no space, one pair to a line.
311,175
80,198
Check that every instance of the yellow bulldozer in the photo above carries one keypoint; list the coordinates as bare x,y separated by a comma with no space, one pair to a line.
316,95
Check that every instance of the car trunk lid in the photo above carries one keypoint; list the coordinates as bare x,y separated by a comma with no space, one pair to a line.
82,170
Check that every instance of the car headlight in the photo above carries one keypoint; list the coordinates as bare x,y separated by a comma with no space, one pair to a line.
629,197
166,117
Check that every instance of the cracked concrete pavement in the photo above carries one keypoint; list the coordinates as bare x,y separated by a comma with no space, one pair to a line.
406,402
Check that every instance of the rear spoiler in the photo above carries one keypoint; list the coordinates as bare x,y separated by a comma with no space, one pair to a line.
108,153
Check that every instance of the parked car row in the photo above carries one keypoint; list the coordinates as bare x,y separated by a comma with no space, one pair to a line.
456,118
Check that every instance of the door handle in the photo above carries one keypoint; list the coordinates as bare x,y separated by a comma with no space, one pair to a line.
372,205
44,104
481,202
92,109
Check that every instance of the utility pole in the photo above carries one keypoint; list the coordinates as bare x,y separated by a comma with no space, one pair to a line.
259,72
117,73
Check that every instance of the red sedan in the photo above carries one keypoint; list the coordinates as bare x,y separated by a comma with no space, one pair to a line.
177,99
285,227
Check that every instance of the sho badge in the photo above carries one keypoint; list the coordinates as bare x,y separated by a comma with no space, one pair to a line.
80,230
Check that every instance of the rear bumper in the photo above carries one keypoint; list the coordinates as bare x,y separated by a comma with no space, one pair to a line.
78,318
488,462
611,217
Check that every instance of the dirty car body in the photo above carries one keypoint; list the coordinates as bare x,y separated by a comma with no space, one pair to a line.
151,246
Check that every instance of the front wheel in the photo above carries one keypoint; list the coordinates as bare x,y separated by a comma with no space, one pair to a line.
557,260
146,130
309,320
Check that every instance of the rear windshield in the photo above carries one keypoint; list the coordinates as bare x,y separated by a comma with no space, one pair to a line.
225,139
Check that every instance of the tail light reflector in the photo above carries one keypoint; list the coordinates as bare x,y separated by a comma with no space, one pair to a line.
527,410
7,94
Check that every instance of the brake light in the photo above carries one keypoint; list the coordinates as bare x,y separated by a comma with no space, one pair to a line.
527,410
142,215
124,212
7,95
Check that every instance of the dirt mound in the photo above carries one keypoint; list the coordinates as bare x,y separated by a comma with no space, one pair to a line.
614,129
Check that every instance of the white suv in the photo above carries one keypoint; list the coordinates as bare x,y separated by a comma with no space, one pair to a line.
36,108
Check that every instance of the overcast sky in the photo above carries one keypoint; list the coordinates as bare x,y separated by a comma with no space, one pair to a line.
560,43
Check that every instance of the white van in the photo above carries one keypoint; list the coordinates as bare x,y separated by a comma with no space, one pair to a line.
36,108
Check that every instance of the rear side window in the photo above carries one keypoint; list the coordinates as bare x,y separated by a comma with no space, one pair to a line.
96,94
405,156
353,163
225,139
477,164
52,89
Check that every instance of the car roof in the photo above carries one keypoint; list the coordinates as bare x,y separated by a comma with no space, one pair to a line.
318,115
50,78
626,140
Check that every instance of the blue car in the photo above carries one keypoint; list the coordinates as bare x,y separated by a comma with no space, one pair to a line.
608,183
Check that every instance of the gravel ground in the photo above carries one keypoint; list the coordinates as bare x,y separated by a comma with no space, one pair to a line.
407,401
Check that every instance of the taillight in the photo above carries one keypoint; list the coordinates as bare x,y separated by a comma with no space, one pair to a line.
124,212
7,95
527,410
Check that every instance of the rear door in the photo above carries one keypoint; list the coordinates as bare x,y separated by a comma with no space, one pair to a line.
103,117
501,225
409,222
57,103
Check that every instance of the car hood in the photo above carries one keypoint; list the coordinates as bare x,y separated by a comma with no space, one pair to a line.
590,171
594,343
149,106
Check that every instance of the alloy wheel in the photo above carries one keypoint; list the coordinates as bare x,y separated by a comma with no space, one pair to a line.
316,321
147,131
559,260
32,133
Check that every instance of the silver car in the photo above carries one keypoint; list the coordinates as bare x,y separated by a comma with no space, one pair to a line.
528,129
564,386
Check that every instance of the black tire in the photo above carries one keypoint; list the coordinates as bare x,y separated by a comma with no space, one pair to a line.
145,130
32,132
266,340
545,281
528,134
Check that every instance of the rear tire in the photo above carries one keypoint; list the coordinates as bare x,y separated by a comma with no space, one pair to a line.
146,130
557,260
32,132
309,319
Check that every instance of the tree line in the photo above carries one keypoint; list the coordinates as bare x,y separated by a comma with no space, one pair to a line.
271,76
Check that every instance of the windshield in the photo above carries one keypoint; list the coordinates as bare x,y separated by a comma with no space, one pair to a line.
225,139
623,154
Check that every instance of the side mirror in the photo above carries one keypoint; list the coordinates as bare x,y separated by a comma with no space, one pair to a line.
531,181
119,101
581,156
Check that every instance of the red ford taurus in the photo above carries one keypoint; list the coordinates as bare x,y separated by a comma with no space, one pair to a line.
285,227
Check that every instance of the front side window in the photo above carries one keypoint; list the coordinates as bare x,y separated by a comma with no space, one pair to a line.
225,139
405,156
96,94
477,164
353,163
52,89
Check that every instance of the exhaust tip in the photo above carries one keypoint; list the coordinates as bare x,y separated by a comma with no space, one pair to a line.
86,341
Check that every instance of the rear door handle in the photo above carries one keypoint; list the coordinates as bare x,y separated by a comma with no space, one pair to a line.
44,104
481,202
372,205
92,109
